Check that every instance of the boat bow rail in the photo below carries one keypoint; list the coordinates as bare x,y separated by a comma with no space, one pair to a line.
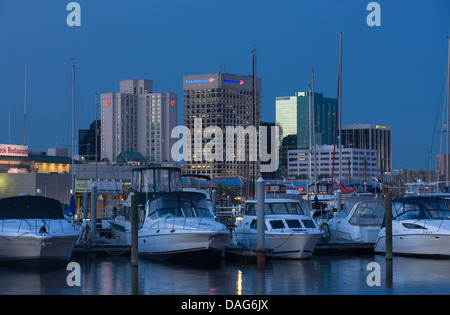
185,223
38,226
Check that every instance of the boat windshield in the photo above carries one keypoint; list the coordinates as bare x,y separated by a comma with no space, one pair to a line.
420,208
275,208
368,213
349,203
180,204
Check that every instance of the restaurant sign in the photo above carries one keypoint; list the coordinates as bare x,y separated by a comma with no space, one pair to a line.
13,150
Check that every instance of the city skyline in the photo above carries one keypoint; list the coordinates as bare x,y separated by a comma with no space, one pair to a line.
393,74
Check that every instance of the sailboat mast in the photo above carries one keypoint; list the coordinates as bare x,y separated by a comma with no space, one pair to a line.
340,106
448,112
255,162
313,120
337,118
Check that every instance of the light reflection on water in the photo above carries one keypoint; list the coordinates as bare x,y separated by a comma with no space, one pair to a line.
319,275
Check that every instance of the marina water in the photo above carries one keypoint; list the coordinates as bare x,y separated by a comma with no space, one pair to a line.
320,275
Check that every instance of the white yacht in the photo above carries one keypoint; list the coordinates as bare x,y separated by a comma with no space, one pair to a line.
358,222
34,231
179,227
289,233
420,226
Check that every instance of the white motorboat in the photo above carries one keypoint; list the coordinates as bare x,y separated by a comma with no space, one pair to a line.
173,224
180,228
35,232
420,226
358,222
289,233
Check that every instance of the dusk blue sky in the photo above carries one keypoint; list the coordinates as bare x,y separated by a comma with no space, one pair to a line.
392,74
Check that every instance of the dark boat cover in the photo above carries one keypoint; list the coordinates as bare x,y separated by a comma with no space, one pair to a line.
30,207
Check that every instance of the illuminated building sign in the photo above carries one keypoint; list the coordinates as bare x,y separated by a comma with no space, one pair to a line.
13,150
172,102
107,102
381,127
210,80
240,82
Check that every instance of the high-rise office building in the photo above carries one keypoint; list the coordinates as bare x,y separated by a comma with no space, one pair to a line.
292,115
293,118
372,137
87,142
138,120
219,100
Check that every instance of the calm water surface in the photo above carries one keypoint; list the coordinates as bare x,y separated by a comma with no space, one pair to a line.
319,275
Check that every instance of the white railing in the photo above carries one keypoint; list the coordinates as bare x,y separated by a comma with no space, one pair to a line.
194,223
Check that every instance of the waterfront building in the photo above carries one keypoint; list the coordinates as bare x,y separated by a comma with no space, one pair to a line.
34,173
138,120
220,100
371,137
356,163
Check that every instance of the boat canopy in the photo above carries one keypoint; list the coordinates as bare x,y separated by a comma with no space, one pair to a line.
30,207
419,207
179,204
156,179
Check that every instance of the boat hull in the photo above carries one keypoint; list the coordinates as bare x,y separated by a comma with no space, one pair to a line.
37,250
416,244
182,246
286,245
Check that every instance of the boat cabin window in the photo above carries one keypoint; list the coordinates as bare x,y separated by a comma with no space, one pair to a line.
368,213
422,208
309,224
254,225
294,224
275,208
277,224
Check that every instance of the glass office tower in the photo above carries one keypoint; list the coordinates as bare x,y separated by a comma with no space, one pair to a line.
292,115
